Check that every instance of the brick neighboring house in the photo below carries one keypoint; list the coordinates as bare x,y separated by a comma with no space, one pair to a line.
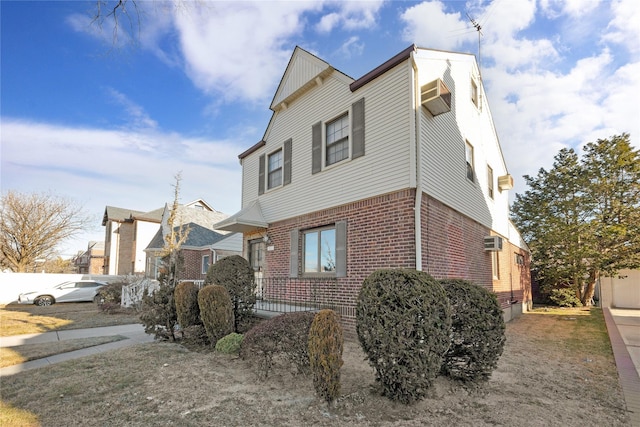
127,234
90,261
399,168
204,245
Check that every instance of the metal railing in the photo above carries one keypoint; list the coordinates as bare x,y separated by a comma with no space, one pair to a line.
285,295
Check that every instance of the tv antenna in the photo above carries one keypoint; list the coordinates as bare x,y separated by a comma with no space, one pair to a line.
478,28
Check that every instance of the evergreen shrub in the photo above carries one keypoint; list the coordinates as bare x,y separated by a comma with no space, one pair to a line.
477,331
326,343
109,297
565,297
187,309
286,335
229,344
216,312
158,312
403,322
237,276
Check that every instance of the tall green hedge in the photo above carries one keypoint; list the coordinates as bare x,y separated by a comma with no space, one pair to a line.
216,312
477,331
403,322
187,309
237,276
326,344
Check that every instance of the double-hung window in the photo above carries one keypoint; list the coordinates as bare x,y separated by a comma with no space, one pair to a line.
337,146
274,178
490,180
320,251
469,160
205,263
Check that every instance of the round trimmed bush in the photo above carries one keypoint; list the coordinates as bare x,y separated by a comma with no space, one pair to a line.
403,322
216,312
237,276
326,343
229,344
477,331
187,309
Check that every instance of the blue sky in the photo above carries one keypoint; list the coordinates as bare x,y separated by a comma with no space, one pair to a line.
104,121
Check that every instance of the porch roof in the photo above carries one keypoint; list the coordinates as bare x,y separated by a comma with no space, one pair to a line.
246,220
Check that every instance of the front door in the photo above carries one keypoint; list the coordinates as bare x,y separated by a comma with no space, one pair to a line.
256,260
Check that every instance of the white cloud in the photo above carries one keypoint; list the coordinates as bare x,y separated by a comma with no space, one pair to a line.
351,15
624,28
134,114
429,25
127,169
239,49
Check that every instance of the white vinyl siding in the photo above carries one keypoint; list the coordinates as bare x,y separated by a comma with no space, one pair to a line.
443,152
382,169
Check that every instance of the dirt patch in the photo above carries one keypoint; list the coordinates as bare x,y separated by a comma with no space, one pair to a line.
542,379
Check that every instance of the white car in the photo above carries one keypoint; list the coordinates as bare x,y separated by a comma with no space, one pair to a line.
81,290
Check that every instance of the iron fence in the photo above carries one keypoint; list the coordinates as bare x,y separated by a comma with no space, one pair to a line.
285,295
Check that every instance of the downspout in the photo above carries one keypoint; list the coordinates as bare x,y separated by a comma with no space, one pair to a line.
415,160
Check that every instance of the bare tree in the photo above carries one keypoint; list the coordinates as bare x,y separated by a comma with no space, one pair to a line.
32,225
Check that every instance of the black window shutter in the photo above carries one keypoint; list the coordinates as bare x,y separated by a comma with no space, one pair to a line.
293,260
357,121
341,249
316,148
261,167
287,162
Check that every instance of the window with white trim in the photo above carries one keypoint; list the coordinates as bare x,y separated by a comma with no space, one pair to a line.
490,181
495,265
474,92
319,247
337,140
469,160
205,263
274,171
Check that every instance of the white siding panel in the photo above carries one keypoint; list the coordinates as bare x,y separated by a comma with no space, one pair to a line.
443,144
384,167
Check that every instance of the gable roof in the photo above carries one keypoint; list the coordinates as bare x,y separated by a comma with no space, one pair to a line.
303,72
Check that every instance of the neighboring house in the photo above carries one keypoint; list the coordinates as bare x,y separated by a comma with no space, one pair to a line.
90,261
399,168
203,247
127,234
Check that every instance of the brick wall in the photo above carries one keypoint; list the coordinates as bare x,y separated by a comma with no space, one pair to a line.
192,263
379,235
126,248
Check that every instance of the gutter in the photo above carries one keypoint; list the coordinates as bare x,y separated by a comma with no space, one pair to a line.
416,152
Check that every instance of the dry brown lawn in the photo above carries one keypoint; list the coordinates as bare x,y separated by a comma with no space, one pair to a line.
557,370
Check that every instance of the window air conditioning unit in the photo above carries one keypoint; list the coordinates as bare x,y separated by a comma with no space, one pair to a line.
505,182
493,243
436,97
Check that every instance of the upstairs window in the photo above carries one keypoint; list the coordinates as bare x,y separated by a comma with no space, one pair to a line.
337,146
275,170
469,160
474,93
490,180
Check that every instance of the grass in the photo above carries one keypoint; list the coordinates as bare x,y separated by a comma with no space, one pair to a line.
10,356
163,384
578,329
16,319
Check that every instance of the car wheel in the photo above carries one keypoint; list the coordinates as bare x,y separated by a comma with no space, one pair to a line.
44,301
98,299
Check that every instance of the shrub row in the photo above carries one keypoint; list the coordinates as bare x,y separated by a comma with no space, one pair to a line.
413,327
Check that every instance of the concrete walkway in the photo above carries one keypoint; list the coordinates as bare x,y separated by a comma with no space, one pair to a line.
623,326
134,334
